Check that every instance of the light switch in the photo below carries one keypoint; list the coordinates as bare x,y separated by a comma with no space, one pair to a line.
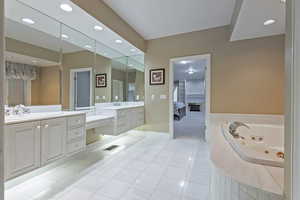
152,97
163,96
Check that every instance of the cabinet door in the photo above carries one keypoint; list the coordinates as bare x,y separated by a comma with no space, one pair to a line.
22,148
54,133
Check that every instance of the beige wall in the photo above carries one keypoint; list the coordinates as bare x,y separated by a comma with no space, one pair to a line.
246,76
109,18
86,59
27,49
46,89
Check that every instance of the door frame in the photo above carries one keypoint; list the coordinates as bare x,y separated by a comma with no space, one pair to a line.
2,94
207,57
292,99
71,95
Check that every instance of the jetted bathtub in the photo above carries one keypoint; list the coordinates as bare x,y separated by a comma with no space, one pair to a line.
260,144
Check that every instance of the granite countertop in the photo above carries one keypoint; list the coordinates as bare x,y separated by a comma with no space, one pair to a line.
15,119
228,162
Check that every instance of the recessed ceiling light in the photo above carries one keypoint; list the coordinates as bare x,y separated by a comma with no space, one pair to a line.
184,62
269,22
283,1
119,41
132,50
88,46
98,28
28,21
191,71
64,36
66,7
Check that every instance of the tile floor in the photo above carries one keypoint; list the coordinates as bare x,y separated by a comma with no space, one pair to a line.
146,166
192,125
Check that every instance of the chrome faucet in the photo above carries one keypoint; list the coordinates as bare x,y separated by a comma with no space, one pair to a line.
20,109
234,126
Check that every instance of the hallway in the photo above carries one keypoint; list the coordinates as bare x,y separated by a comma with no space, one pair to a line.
192,125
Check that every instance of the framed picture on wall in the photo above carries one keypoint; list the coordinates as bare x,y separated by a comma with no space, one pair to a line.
157,76
101,80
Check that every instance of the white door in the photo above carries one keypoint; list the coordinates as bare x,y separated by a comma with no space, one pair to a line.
54,133
22,148
81,88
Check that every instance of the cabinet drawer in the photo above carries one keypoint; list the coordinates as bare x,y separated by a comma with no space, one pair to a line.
76,121
76,133
76,146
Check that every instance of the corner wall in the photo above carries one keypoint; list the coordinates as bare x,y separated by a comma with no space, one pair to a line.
247,77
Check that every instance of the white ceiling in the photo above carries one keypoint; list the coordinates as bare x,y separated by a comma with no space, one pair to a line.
181,70
160,18
18,58
253,14
47,15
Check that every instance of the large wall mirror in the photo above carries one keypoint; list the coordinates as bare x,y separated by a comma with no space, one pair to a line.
49,63
32,57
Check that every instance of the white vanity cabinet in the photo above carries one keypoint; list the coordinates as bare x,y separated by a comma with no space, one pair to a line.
30,145
22,148
126,118
53,138
137,117
76,137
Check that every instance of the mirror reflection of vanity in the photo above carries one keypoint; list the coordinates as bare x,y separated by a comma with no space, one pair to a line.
75,90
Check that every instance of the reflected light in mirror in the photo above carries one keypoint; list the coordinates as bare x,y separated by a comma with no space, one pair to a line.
66,7
88,46
119,41
98,28
64,36
28,21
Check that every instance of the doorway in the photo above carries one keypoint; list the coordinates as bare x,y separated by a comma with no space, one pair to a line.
81,86
190,96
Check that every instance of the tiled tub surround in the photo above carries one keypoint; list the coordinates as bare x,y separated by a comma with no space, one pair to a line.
231,173
226,188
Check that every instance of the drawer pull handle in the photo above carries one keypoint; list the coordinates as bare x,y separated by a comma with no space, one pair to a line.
38,127
46,126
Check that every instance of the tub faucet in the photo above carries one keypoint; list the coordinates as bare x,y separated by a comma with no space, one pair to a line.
234,126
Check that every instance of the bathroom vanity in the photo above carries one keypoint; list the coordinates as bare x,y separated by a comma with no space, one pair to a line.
37,139
127,116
